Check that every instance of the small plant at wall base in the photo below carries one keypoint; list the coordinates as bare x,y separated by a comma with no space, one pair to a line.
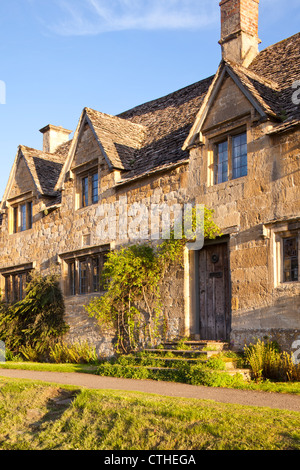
132,276
33,324
267,361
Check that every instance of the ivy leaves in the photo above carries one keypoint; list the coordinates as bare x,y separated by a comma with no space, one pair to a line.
132,276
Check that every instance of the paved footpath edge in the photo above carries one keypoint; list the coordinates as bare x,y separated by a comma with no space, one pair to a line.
281,401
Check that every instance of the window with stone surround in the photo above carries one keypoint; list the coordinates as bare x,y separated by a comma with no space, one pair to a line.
15,281
21,217
89,189
286,253
230,158
83,271
87,183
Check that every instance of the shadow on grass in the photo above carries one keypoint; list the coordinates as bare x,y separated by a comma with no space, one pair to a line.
56,405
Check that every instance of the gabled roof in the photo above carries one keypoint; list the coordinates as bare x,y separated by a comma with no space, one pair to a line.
119,138
266,92
44,168
243,82
146,137
168,121
267,83
157,134
281,64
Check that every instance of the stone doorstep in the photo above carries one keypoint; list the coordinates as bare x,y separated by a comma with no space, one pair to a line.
198,344
183,352
177,351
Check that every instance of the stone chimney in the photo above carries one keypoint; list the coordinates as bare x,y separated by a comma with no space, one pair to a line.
53,137
239,30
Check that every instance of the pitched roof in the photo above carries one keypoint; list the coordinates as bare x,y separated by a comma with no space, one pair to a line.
119,138
265,91
151,136
168,121
281,64
44,167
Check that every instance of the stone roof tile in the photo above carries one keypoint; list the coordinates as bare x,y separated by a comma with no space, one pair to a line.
45,169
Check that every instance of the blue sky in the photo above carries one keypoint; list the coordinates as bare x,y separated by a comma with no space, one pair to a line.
58,56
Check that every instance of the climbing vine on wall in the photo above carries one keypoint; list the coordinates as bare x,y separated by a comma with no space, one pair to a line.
132,276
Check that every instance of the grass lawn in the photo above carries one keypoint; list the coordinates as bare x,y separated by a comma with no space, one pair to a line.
267,386
38,416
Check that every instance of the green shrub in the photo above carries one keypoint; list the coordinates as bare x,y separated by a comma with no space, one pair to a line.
215,363
184,373
217,379
117,370
268,362
29,353
73,353
10,356
37,321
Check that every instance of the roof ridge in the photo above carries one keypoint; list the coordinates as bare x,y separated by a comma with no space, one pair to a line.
116,117
54,157
163,98
265,81
277,44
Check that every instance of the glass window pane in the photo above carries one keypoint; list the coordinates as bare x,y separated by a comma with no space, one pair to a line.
95,188
290,259
29,214
15,288
72,278
239,155
222,162
7,289
15,219
23,217
85,192
96,274
21,287
83,277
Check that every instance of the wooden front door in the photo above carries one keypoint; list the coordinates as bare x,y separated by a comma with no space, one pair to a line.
214,292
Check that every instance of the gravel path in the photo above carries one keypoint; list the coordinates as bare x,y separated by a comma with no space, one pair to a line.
170,389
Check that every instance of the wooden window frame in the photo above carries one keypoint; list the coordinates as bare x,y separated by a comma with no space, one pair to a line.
74,262
15,284
229,138
19,224
279,237
90,196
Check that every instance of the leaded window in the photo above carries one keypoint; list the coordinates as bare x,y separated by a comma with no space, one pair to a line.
290,259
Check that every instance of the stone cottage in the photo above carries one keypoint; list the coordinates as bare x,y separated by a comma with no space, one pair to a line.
230,141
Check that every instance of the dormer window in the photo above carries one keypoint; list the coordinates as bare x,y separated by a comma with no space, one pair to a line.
22,217
231,158
89,189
